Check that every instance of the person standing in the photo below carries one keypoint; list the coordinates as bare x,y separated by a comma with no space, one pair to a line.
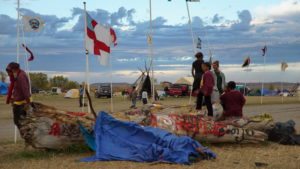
81,92
219,79
133,97
145,97
197,71
206,89
21,95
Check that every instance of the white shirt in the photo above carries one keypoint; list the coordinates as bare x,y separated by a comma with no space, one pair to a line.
144,95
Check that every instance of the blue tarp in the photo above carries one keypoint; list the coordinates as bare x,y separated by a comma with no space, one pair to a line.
3,88
118,140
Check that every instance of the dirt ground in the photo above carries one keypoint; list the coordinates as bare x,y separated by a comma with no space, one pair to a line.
268,155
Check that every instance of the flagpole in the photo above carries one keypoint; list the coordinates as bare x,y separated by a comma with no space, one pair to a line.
247,69
18,53
151,52
111,87
87,58
262,82
193,38
282,86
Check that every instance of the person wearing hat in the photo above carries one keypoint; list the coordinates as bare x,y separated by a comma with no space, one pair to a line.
19,92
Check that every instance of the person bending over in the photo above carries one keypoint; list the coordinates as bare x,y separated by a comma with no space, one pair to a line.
232,101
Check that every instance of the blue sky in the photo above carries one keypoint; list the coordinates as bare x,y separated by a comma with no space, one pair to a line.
231,29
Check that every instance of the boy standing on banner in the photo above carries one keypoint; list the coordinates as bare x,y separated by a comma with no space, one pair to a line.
133,97
20,89
206,89
145,97
219,79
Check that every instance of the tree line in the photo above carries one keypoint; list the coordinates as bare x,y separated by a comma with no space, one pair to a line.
41,81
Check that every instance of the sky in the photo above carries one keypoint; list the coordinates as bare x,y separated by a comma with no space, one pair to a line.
230,30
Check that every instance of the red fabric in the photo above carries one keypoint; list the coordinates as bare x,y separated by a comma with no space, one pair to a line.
98,45
55,129
77,113
114,36
10,89
21,86
31,57
233,102
208,83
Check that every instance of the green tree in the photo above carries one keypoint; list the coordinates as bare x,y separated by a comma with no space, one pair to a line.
59,81
71,85
39,80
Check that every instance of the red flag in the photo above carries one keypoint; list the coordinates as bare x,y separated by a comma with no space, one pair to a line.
246,62
31,56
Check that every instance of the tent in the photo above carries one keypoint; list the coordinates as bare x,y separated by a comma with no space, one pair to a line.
3,88
72,93
185,80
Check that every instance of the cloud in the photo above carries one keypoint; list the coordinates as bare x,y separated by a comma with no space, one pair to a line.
245,19
217,18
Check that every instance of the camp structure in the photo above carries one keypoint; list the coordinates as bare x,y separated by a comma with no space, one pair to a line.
3,88
143,82
55,90
185,80
72,94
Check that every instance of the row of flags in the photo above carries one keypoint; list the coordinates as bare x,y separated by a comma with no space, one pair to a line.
98,37
247,62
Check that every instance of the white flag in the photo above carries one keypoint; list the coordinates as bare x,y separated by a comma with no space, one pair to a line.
32,23
284,65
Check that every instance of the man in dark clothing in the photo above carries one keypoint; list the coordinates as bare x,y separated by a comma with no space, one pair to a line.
21,95
81,91
197,70
206,89
232,101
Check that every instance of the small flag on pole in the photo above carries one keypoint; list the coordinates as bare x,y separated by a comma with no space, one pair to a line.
246,62
31,56
264,50
199,43
99,38
284,65
32,24
149,39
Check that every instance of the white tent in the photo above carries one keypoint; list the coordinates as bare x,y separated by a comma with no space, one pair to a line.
185,80
72,93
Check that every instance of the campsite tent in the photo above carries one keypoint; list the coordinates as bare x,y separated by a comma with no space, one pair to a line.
3,88
185,80
72,93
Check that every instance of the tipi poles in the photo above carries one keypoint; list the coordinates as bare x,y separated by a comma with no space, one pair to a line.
193,39
262,81
151,51
18,53
87,83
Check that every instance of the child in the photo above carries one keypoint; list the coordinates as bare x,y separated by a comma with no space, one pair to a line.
145,97
206,89
133,96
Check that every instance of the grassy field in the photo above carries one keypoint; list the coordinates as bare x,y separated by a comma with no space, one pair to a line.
269,155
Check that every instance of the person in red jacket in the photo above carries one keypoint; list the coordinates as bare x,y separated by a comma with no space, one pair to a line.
232,101
19,94
206,89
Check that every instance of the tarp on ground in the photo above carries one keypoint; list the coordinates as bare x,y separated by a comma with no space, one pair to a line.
3,88
118,140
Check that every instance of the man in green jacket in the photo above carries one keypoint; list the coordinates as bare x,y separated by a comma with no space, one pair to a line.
220,82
